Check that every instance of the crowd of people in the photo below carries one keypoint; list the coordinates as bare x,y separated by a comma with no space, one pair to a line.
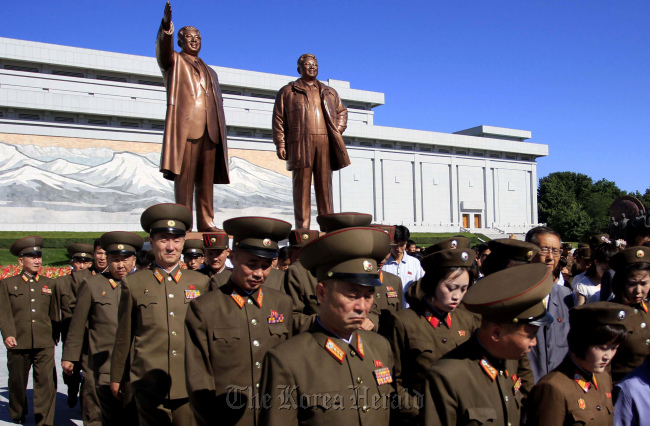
349,325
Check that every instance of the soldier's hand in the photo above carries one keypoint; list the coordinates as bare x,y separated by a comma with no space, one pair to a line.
10,342
67,367
367,325
167,17
282,153
117,389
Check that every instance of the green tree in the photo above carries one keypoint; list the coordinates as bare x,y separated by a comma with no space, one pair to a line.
574,205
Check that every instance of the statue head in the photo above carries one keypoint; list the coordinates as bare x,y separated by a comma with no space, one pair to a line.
189,40
308,67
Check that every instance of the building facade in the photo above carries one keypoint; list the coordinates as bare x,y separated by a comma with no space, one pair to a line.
81,132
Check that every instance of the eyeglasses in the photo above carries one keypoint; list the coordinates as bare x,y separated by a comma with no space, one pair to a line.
547,250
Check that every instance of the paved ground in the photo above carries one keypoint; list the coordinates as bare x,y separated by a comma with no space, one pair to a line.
64,416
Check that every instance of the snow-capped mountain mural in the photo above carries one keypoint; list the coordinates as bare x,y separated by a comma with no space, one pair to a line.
102,189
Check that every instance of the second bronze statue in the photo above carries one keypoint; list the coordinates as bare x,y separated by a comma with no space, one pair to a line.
195,150
308,123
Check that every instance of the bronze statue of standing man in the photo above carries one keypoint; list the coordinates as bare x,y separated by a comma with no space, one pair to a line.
195,152
308,122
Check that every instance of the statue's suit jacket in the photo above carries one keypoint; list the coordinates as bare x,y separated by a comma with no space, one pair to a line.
180,76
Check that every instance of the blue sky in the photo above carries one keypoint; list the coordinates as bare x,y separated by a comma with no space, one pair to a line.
574,72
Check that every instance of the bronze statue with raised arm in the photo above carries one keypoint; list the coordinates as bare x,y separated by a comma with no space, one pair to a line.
195,152
308,122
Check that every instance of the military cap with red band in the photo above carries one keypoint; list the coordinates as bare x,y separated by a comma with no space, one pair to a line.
457,242
335,221
513,296
28,246
300,237
349,254
167,218
216,240
81,251
193,248
389,229
257,235
120,242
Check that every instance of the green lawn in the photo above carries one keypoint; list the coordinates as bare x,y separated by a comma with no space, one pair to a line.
55,254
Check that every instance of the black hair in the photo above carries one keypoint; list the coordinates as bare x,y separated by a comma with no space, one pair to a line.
402,233
435,276
495,263
531,236
621,276
602,254
142,260
283,254
480,249
410,243
580,338
96,244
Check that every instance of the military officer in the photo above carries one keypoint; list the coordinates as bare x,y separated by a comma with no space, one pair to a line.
29,304
275,279
229,330
336,373
631,285
431,326
150,330
95,316
193,254
216,254
298,238
506,253
81,260
477,383
300,285
99,258
579,390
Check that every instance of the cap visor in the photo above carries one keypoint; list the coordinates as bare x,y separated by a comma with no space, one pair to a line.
268,254
367,282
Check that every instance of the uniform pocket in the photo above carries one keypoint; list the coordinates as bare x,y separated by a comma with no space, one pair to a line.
225,335
278,329
146,306
582,416
481,415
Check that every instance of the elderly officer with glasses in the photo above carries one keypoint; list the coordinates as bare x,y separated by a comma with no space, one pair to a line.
552,345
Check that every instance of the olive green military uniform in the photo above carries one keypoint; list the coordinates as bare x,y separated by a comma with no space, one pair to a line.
388,298
97,306
94,325
216,241
29,312
469,386
316,378
151,331
217,280
149,348
67,286
228,332
633,351
570,395
421,335
466,387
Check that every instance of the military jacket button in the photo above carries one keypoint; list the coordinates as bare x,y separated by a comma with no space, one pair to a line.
256,343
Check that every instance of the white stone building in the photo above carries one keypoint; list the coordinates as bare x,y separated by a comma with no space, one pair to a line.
67,114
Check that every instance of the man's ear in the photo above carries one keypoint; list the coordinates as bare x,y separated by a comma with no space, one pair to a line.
320,292
20,261
496,333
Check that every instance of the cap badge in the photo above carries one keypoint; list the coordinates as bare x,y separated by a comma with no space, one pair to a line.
367,266
36,248
83,255
464,256
621,315
639,254
120,247
529,255
213,240
266,242
454,244
171,223
305,237
329,274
